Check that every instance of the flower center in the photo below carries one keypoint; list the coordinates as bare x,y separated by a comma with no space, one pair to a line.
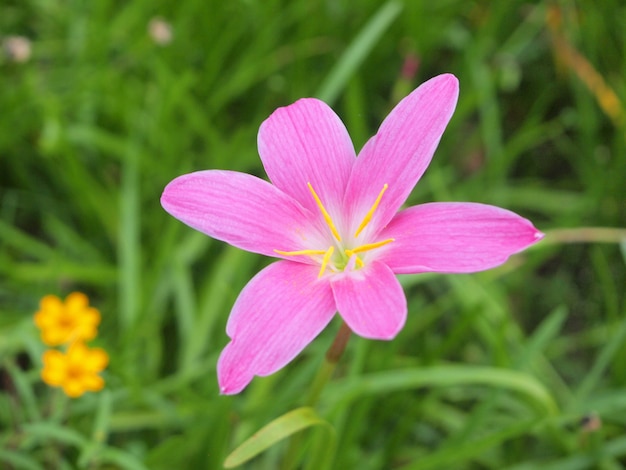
75,372
341,255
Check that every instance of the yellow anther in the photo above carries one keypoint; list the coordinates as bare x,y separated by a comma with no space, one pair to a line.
301,252
370,213
325,260
326,215
369,246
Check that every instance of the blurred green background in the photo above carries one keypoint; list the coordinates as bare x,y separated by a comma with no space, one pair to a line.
103,102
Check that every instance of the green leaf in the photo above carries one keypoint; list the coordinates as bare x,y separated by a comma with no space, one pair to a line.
46,432
350,389
277,430
19,460
121,459
356,53
446,458
542,336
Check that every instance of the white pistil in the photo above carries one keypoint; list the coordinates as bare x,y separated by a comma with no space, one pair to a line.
350,258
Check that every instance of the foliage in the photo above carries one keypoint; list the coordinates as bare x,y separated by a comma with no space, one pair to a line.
493,370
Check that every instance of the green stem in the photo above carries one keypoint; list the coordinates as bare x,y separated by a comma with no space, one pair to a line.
324,374
586,234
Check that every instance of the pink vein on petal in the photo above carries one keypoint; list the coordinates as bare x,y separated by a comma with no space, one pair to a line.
371,301
401,151
306,142
280,311
240,209
455,237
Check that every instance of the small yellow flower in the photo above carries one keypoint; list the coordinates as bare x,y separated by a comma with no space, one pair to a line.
62,323
75,371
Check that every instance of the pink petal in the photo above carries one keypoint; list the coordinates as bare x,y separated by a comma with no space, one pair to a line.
371,301
281,310
240,209
401,151
455,237
307,143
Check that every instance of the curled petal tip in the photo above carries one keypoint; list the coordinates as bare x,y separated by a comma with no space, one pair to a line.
447,80
231,379
231,388
448,76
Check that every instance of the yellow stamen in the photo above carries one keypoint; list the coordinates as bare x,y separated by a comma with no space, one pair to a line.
368,216
326,215
325,260
369,246
301,252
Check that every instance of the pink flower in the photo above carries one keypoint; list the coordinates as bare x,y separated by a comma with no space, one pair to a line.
335,221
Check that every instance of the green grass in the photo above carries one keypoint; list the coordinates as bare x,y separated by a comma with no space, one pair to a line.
493,370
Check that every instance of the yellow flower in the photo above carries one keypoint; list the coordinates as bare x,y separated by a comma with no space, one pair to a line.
75,371
62,323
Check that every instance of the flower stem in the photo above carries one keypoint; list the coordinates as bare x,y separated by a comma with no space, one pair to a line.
586,234
324,374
